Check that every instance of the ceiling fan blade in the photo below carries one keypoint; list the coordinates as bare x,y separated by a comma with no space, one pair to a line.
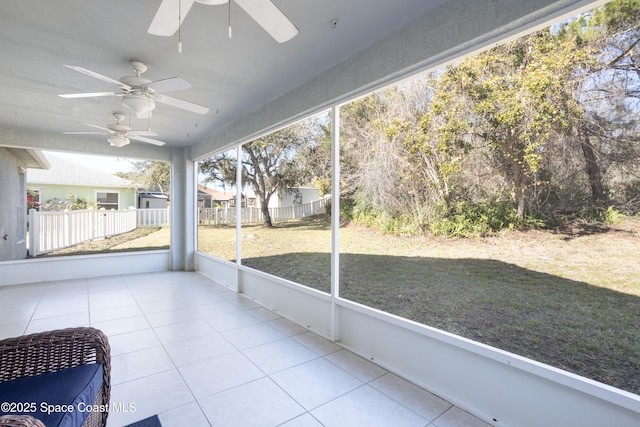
165,22
133,133
97,76
168,85
84,133
145,139
269,17
87,95
97,127
181,103
213,2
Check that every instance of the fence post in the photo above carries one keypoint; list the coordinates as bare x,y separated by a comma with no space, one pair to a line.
91,225
66,227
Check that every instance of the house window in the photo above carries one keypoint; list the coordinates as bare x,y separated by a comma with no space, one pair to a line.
109,201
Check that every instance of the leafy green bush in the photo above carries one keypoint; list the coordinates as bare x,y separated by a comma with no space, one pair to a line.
460,219
346,208
467,219
399,225
609,215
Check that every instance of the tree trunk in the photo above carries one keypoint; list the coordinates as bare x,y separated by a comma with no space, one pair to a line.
516,173
593,170
267,217
264,207
520,203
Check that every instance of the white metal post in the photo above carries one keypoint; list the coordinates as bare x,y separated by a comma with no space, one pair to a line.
335,219
238,203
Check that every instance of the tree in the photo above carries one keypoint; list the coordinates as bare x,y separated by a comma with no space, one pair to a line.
370,160
316,157
550,119
269,164
517,102
397,176
152,175
607,88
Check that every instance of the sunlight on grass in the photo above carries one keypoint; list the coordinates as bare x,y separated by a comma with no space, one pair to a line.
570,301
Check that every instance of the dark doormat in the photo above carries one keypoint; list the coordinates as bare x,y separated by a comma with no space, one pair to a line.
153,421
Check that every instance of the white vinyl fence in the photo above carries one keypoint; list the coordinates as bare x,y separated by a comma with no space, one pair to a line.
153,218
252,215
50,231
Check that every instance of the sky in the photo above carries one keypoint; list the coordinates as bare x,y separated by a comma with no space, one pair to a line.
111,164
102,163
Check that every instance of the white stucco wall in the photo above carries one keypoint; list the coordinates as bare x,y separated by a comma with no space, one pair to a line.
293,197
126,195
12,221
154,202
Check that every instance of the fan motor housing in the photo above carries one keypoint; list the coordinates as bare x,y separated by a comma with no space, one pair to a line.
118,128
137,83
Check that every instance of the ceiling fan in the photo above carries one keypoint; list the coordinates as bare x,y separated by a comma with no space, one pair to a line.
171,13
119,135
139,94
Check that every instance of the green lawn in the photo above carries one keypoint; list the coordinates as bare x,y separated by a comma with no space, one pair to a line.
570,299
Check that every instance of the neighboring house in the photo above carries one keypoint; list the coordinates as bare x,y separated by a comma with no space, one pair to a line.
152,201
293,197
249,200
210,198
14,163
204,198
66,177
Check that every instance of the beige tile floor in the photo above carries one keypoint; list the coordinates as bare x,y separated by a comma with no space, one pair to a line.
197,354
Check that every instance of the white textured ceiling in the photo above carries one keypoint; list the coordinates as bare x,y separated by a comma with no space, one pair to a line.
231,76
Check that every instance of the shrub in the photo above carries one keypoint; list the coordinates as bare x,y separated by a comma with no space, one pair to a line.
460,219
346,208
71,203
609,215
467,219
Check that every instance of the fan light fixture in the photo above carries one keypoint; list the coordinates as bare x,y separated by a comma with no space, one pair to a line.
117,140
139,104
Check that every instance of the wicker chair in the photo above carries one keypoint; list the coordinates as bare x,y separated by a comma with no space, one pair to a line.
52,351
20,420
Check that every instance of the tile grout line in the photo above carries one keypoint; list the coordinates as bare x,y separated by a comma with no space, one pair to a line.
173,362
26,328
